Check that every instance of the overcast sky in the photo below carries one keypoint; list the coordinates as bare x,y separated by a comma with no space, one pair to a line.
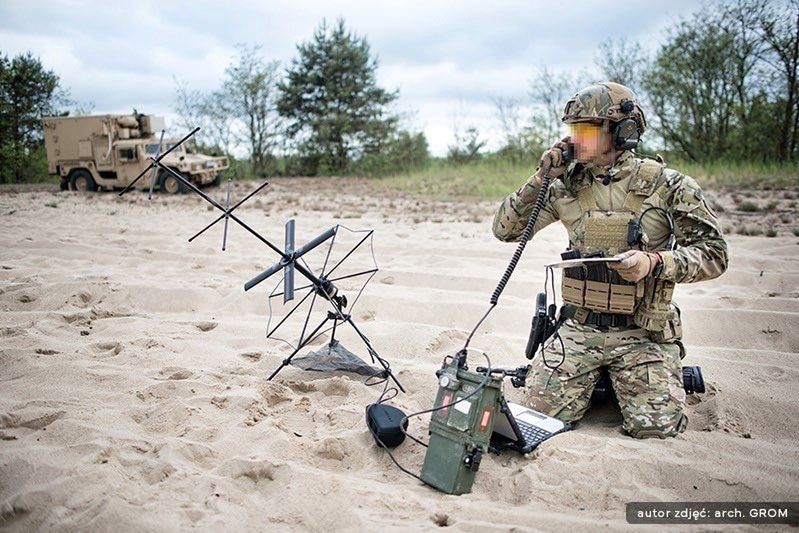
448,59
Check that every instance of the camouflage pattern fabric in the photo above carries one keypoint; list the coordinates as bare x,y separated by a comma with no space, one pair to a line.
644,364
701,253
603,101
646,376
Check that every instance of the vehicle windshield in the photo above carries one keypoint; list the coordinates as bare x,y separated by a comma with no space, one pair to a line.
152,149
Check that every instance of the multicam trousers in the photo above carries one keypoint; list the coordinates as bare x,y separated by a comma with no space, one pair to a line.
646,377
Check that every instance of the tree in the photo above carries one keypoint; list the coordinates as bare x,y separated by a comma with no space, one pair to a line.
249,93
779,28
28,92
404,151
330,97
242,111
622,61
209,111
467,146
549,93
725,84
515,145
692,88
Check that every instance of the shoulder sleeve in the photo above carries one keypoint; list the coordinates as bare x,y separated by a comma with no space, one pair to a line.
701,253
515,210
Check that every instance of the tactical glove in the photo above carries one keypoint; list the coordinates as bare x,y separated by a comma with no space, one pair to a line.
552,162
635,265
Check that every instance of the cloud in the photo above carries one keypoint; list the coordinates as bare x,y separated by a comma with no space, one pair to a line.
447,59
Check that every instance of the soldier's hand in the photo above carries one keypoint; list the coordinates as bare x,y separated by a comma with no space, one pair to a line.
552,162
635,265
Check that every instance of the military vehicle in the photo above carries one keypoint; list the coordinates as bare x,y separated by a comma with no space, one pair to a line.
109,151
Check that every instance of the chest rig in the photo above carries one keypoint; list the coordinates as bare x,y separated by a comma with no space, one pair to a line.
604,233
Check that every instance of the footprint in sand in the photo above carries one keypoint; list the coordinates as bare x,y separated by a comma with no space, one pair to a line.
708,412
174,373
301,386
107,348
254,471
275,393
332,448
11,420
388,280
220,401
252,357
447,340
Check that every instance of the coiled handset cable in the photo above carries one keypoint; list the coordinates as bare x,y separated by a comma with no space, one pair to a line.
527,233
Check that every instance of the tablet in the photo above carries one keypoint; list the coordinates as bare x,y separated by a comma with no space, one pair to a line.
583,261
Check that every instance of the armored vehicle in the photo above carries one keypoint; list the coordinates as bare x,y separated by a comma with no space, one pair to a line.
109,151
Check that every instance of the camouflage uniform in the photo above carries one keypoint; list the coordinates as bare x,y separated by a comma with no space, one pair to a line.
644,357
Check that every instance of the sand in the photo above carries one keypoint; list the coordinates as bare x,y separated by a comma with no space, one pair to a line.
133,371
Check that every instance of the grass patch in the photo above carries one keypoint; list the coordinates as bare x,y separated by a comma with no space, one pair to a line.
771,232
748,207
486,179
750,175
751,231
492,178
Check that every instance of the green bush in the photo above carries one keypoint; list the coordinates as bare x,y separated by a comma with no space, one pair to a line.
748,207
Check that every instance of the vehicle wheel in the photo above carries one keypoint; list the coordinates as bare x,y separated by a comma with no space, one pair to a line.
169,184
64,185
217,180
82,181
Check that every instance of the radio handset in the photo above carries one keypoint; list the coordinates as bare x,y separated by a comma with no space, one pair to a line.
568,153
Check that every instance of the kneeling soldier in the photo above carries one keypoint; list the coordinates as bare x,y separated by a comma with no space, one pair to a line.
612,202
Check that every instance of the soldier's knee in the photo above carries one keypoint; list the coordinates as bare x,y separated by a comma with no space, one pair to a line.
660,427
564,405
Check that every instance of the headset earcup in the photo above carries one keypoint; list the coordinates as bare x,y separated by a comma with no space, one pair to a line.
626,134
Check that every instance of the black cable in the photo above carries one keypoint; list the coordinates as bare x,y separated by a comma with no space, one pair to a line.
549,280
526,234
517,254
480,387
671,237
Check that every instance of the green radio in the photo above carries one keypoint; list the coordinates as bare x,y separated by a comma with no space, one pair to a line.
460,426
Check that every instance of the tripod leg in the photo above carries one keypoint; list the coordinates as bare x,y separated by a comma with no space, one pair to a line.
299,347
372,352
333,333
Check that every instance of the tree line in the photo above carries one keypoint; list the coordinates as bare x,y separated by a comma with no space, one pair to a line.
325,114
723,86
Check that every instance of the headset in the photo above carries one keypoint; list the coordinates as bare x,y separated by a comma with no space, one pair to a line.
626,133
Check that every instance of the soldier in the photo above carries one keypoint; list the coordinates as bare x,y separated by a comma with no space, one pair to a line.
622,318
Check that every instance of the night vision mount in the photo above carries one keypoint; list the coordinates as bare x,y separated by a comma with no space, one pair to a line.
320,287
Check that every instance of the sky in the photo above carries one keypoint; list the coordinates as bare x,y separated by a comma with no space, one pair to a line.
449,60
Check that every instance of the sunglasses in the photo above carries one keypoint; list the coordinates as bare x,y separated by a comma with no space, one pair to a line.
585,129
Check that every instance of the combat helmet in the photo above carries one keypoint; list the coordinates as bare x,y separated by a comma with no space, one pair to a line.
604,101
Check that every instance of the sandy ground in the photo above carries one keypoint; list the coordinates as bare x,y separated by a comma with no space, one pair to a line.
133,371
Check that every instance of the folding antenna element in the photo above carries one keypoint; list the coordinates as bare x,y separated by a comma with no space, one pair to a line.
155,162
291,259
154,172
288,271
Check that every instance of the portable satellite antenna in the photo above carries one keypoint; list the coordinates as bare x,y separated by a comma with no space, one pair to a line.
321,286
291,260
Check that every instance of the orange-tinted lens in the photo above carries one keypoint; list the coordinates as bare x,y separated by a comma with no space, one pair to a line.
585,129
